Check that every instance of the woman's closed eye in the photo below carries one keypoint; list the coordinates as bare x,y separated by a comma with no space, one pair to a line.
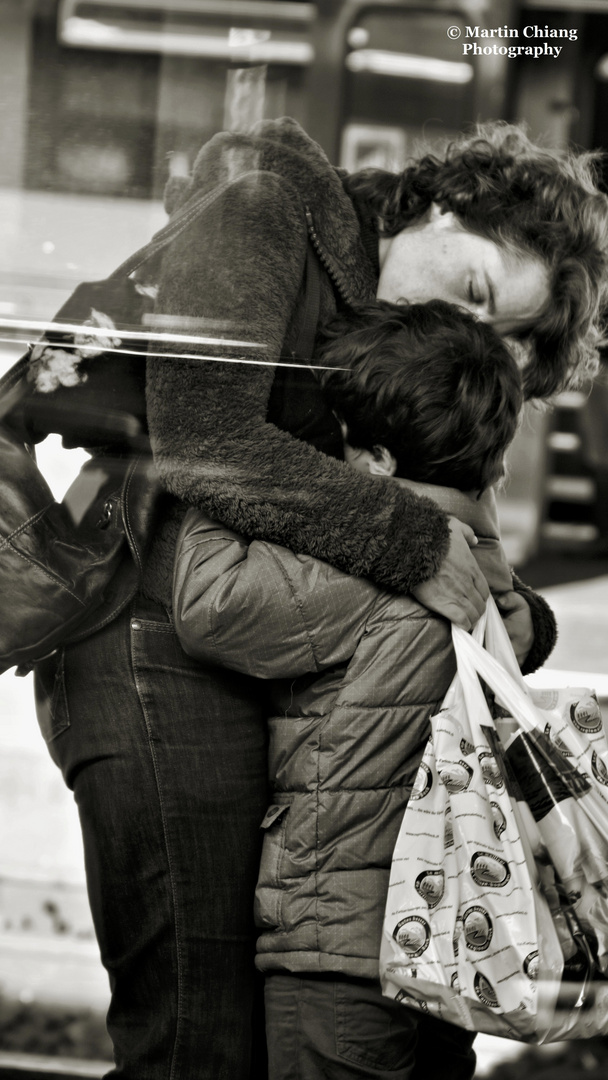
475,293
481,294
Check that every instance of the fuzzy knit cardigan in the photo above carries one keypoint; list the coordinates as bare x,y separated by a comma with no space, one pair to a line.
237,275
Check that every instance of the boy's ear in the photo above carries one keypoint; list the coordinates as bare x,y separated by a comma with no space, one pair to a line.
382,462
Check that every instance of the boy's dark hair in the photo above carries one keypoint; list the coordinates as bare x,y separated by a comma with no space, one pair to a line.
530,199
430,382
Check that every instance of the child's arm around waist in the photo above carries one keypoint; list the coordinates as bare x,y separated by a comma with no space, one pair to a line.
261,609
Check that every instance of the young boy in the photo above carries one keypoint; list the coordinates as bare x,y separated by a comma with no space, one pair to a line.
428,393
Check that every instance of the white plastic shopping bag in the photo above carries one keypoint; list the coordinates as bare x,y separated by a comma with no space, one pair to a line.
479,928
554,747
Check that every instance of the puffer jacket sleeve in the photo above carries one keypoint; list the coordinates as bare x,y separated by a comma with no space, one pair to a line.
237,274
260,609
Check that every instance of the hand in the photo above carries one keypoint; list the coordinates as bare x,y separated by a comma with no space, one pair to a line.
458,591
517,618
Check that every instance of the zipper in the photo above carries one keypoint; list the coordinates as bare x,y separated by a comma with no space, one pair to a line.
336,276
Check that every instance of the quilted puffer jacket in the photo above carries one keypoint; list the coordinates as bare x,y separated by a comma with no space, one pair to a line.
356,674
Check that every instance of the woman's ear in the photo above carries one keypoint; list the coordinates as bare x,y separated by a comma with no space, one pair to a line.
382,462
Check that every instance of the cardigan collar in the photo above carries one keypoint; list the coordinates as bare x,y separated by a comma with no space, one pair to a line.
342,232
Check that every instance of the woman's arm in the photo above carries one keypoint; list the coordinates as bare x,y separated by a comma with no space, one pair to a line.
528,618
238,273
259,608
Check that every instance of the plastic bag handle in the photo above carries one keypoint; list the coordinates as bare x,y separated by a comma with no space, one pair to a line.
491,630
479,630
498,643
512,694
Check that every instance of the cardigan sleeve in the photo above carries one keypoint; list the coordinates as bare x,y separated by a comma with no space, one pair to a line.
236,274
482,515
261,609
544,623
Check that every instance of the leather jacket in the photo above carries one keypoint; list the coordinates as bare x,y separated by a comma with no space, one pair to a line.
135,503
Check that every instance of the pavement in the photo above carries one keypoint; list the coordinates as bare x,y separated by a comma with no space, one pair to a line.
581,610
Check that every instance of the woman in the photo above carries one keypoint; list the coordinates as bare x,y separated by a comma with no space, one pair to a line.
167,757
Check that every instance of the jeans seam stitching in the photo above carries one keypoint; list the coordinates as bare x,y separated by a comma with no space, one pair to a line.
179,955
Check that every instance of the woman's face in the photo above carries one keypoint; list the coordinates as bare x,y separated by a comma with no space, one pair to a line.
438,259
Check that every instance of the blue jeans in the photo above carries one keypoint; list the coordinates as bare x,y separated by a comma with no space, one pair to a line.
332,1027
168,763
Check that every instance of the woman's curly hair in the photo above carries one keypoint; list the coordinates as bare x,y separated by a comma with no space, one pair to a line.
538,201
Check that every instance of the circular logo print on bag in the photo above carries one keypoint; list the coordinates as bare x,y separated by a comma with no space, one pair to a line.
531,965
485,991
430,885
488,869
499,822
455,775
477,927
454,983
492,775
466,747
423,782
586,715
561,746
448,834
413,935
599,769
